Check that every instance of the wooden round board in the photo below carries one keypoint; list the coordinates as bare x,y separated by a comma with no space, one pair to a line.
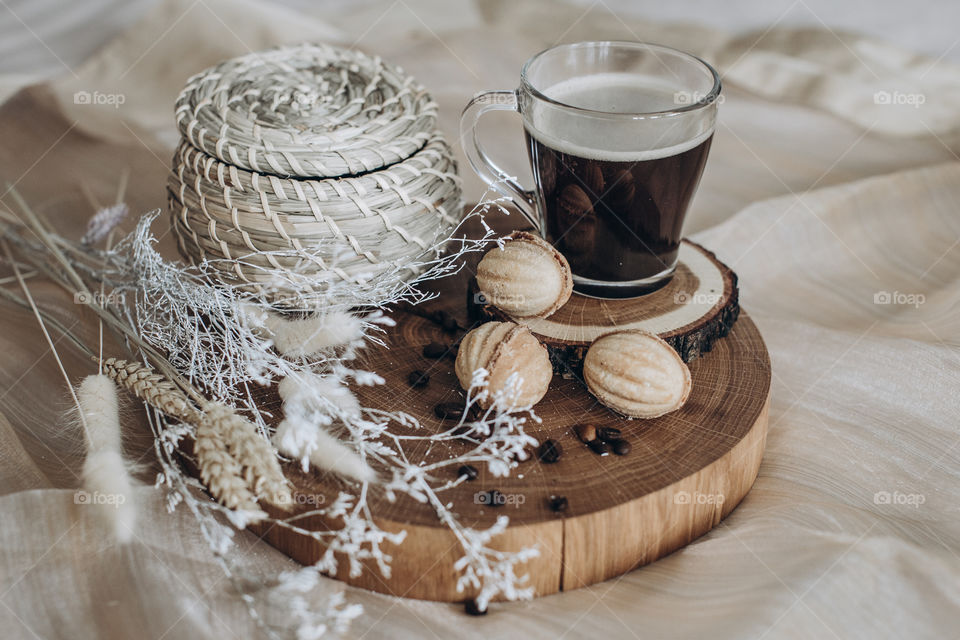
686,471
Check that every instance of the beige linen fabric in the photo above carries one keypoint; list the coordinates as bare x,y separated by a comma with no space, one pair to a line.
838,213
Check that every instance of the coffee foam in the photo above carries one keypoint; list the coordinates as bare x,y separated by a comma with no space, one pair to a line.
612,139
616,93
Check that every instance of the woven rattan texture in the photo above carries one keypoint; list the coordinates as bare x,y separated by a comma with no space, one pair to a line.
303,167
312,111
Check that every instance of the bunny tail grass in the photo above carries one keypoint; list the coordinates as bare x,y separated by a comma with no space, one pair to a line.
311,402
332,454
296,338
106,481
307,441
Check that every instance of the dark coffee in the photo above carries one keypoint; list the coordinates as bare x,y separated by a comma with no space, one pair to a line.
616,220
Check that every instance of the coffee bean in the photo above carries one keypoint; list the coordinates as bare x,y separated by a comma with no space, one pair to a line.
418,379
469,471
495,498
608,434
599,447
586,432
435,350
550,451
558,503
621,447
473,609
449,410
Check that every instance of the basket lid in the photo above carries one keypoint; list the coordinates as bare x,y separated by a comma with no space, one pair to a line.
307,110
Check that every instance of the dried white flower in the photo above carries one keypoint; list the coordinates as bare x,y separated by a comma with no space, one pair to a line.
489,570
103,222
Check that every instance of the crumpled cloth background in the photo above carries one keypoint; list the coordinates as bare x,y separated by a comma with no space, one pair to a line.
838,211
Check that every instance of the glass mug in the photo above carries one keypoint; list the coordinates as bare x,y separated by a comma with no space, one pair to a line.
618,134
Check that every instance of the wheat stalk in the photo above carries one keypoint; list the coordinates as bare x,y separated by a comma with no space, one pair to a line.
236,464
151,387
259,464
221,473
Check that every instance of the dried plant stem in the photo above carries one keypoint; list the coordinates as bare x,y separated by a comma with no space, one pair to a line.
69,279
153,388
49,319
43,326
41,231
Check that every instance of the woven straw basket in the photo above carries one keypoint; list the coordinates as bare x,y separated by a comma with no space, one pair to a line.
304,168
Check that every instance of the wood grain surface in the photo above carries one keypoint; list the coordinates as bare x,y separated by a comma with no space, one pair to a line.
686,470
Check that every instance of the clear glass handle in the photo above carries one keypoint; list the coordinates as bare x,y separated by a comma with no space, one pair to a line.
495,177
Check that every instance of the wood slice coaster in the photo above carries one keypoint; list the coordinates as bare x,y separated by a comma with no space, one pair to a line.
686,471
697,307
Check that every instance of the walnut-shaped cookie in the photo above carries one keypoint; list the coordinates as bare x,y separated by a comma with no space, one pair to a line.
528,277
504,349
